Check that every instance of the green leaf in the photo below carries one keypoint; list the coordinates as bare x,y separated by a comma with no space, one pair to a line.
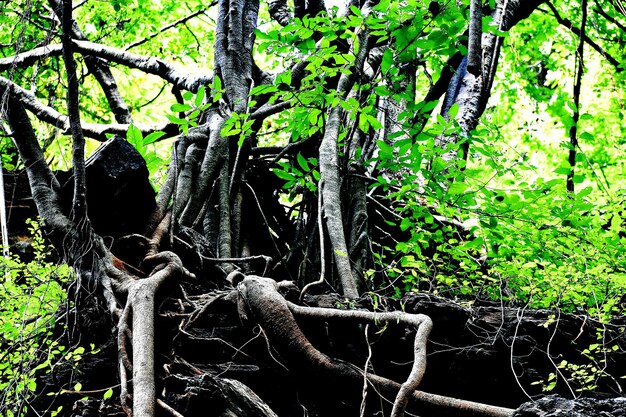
153,137
263,89
180,107
387,61
356,10
373,122
78,386
386,151
363,123
303,163
230,131
457,188
134,136
284,175
108,394
176,120
284,78
405,224
454,110
217,84
564,170
199,96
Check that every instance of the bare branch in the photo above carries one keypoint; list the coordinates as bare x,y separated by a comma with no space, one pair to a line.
581,33
28,58
169,26
91,130
265,111
101,71
147,64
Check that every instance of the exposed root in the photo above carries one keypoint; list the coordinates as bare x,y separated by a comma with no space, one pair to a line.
422,323
168,409
159,233
141,303
259,300
123,360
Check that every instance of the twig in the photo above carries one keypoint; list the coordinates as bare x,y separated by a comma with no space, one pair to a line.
168,26
242,259
577,31
91,130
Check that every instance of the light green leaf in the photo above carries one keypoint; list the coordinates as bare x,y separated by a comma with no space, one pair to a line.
153,137
303,163
180,107
457,188
199,96
108,394
387,61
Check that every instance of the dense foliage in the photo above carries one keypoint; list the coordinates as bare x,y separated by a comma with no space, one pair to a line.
489,215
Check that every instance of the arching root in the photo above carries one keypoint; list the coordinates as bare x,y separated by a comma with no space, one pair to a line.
260,301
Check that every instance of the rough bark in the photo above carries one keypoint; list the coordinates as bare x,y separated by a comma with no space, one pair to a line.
330,183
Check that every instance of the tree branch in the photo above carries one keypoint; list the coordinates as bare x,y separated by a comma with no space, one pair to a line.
608,17
169,26
91,130
580,67
474,48
234,40
43,183
581,33
329,172
28,58
79,205
147,64
101,71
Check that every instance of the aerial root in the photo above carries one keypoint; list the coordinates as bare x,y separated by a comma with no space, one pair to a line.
140,301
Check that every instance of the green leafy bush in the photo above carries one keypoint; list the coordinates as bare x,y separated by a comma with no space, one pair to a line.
31,294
